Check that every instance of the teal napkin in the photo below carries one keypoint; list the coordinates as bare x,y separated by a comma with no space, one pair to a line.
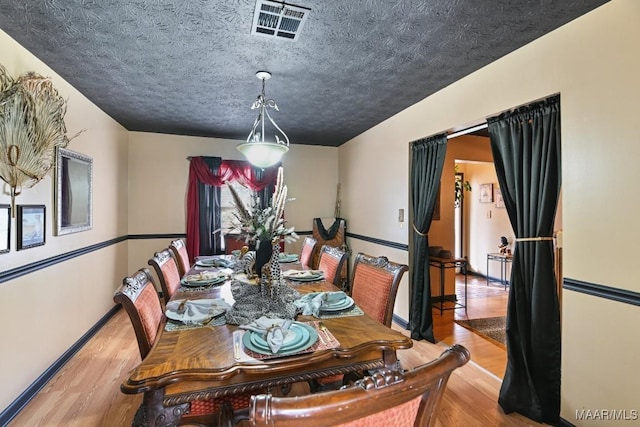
311,303
274,330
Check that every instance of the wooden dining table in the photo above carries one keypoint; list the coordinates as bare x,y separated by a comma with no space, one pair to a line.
198,363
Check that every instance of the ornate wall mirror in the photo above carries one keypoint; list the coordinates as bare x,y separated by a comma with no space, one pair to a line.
74,192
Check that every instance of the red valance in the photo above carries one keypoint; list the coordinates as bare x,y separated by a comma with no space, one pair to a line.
229,171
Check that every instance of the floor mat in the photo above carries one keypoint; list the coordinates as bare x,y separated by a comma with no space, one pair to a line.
491,328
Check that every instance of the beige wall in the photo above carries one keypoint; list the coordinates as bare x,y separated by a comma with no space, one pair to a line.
139,188
159,171
593,63
46,312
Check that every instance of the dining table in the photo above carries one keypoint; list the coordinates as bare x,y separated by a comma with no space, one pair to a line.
198,362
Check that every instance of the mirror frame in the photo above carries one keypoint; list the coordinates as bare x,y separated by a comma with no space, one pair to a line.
61,194
5,228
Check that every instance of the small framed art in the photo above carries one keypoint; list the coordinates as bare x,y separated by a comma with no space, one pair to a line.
5,228
31,221
486,193
499,199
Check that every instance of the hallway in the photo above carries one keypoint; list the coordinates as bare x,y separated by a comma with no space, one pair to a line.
482,301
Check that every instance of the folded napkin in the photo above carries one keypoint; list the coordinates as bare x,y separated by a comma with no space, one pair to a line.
312,302
302,273
196,311
203,276
274,330
216,262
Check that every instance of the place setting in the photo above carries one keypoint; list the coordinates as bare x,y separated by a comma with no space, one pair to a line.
189,314
206,278
285,258
324,305
218,261
303,275
266,338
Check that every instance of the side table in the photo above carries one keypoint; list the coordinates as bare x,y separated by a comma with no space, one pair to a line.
443,264
503,259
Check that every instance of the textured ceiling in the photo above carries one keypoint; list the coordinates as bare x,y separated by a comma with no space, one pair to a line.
188,66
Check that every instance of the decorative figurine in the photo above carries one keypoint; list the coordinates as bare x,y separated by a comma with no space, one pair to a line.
504,243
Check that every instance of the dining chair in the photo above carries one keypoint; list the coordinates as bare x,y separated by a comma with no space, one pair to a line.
139,297
166,268
330,262
386,398
179,250
306,254
374,285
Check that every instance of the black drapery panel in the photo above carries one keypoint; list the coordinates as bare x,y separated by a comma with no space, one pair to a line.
266,194
427,161
526,151
209,204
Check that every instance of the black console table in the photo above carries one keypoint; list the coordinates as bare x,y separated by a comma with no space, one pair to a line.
443,264
503,259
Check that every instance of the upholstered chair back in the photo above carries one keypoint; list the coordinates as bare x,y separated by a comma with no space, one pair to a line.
387,398
139,297
374,285
166,269
179,250
306,254
330,262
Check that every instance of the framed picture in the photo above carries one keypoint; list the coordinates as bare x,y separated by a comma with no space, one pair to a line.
74,192
5,228
31,226
499,199
486,193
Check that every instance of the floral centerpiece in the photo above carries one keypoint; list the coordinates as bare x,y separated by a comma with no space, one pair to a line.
263,226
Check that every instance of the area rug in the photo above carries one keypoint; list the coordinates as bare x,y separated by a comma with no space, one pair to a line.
491,328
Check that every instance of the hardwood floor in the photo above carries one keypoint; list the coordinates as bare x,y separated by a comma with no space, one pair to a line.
86,391
482,301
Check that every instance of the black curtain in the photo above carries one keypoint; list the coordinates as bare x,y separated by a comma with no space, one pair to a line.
526,150
427,161
266,194
209,204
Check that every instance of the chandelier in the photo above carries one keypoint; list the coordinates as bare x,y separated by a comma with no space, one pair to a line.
259,152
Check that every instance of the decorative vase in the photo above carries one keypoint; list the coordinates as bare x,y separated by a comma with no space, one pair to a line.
263,255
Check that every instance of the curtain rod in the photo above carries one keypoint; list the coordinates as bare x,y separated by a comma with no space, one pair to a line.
468,130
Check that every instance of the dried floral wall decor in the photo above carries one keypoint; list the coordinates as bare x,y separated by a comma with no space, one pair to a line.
31,127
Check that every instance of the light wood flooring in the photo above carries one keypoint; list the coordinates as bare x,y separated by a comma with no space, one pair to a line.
85,392
482,301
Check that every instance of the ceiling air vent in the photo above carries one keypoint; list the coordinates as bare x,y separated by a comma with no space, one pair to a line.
279,20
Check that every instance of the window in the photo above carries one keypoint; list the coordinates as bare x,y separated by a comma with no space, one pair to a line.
227,206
